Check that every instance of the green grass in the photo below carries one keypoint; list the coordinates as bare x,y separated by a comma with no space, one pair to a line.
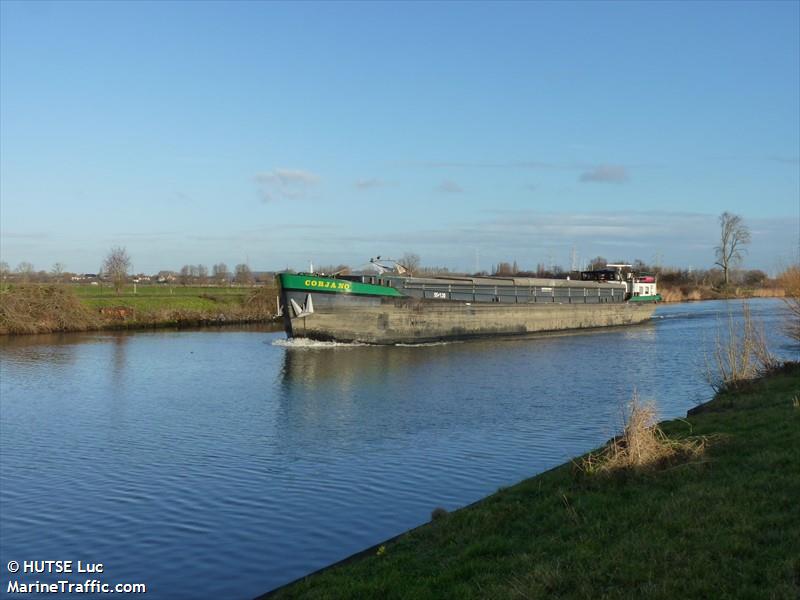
724,526
156,291
152,298
154,303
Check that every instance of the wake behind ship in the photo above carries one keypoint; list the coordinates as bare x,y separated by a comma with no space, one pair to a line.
392,307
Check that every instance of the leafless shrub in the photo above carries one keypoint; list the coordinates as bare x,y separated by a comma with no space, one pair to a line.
642,444
244,276
261,303
43,309
740,354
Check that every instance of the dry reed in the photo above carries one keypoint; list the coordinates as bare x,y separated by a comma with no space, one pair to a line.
740,354
641,445
790,279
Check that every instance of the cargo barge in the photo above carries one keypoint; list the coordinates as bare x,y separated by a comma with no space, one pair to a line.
392,307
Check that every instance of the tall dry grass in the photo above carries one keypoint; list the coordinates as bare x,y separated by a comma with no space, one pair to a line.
671,294
687,293
740,354
790,280
769,293
641,445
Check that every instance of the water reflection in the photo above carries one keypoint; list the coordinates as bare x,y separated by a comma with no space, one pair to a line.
340,366
31,350
119,361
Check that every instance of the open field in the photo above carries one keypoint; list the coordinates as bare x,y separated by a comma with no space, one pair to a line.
157,290
721,525
157,297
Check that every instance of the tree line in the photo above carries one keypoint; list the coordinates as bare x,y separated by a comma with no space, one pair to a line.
116,269
734,237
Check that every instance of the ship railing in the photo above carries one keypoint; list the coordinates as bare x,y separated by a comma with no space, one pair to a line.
518,294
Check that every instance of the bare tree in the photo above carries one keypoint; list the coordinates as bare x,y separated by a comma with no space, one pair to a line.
244,275
598,262
202,273
734,236
186,274
25,270
410,261
220,272
4,270
57,271
116,266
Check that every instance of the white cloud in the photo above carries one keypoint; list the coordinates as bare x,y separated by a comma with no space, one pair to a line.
605,174
286,184
368,184
449,187
516,164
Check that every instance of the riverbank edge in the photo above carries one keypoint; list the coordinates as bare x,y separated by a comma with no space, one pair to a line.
723,403
168,323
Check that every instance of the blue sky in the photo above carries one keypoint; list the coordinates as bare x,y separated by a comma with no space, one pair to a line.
276,133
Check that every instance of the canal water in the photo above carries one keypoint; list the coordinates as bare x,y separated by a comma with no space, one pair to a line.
226,462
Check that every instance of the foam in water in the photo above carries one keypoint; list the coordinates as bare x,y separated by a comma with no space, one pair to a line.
427,344
302,343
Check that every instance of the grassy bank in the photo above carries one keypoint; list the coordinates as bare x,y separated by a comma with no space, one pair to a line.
724,524
51,308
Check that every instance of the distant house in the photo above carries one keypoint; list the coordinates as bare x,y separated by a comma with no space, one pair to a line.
165,277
